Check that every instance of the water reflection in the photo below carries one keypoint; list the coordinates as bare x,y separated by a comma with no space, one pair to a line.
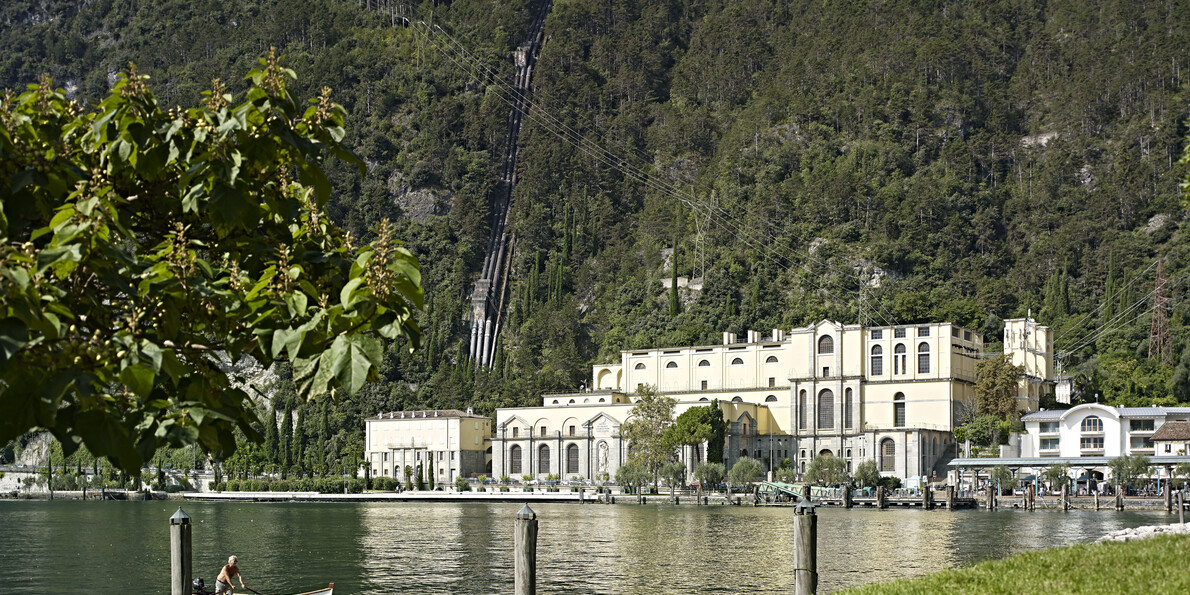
380,548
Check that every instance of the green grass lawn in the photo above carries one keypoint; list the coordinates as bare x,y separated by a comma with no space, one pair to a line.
1157,565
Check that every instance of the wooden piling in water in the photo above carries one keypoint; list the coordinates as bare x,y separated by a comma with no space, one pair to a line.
1064,500
180,553
1096,500
1119,499
1181,508
846,496
991,497
1168,494
805,550
949,497
925,499
525,552
1032,492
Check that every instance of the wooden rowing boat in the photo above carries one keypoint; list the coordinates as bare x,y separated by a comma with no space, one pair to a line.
329,590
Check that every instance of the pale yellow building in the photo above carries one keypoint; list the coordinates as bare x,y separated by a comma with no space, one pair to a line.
1031,346
448,443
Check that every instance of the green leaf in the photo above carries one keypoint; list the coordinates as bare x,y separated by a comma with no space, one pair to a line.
347,296
139,379
13,336
353,357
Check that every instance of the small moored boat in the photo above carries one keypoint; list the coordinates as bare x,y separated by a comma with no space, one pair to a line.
329,590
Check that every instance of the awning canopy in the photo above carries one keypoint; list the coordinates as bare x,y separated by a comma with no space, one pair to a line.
1033,462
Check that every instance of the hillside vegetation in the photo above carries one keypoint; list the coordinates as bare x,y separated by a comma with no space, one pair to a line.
867,162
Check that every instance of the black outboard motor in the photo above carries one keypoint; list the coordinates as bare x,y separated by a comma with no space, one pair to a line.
198,587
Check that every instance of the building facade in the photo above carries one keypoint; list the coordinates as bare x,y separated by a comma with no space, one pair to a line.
1092,430
893,394
447,444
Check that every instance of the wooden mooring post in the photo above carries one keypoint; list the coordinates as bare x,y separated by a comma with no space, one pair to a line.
1181,508
525,552
949,497
805,549
1065,502
991,497
1119,499
1032,495
180,554
1096,500
1168,494
925,499
846,496
881,503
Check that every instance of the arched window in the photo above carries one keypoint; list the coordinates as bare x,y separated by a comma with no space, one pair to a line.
899,363
737,362
639,366
572,458
1091,423
877,360
826,345
826,452
848,411
772,359
543,459
703,400
571,402
888,455
744,453
671,365
736,400
770,399
600,399
555,401
514,459
899,410
801,409
703,363
826,409
923,358
586,400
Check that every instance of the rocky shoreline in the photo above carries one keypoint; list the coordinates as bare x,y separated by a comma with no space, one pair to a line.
1137,533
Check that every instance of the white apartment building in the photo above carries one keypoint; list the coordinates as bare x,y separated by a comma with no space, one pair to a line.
446,443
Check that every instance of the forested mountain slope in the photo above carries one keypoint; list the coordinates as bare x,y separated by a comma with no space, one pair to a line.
962,161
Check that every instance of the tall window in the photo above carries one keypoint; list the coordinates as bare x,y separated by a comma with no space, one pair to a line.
847,409
888,455
877,360
1091,424
514,459
541,431
703,385
572,458
899,410
923,358
515,431
772,381
543,459
826,409
899,363
826,345
801,410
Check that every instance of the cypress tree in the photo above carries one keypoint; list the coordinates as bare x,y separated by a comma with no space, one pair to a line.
299,439
286,445
323,435
271,437
430,471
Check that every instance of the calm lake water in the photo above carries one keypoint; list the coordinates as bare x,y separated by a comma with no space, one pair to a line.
376,548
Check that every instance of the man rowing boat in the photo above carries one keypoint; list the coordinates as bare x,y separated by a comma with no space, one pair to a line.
223,581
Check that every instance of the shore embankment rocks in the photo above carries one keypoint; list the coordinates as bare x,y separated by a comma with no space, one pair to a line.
1137,533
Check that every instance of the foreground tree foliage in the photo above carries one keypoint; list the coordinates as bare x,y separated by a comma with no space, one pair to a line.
145,250
650,444
827,470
